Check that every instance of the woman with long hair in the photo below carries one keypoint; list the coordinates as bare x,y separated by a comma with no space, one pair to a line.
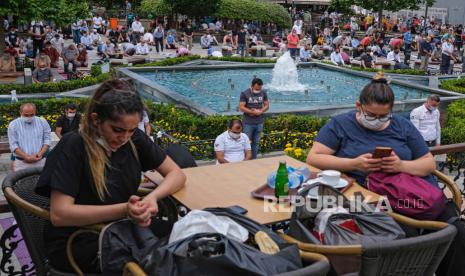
92,176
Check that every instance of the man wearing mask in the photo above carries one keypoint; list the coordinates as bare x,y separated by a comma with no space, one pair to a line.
29,138
52,53
336,57
189,34
42,73
70,55
254,103
232,145
13,37
395,57
69,121
58,43
426,119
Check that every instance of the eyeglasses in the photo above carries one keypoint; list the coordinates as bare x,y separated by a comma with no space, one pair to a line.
371,117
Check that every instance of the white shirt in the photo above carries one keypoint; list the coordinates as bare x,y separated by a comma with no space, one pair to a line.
336,58
447,48
57,44
97,22
393,56
86,40
298,27
234,150
148,37
137,27
427,123
95,37
145,120
142,49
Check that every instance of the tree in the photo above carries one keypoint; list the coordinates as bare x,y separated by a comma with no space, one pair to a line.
194,8
390,5
341,6
156,7
61,12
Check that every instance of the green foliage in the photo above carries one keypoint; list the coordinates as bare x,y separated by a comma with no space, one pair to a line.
254,10
49,87
95,70
156,7
390,5
453,132
243,59
169,61
341,6
456,85
194,8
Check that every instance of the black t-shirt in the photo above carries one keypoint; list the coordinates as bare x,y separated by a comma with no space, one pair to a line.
68,125
113,34
368,59
188,31
12,37
253,101
67,170
241,37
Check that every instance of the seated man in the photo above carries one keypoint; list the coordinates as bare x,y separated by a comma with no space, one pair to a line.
86,40
170,41
95,37
128,49
44,57
304,53
42,73
110,51
142,48
394,56
7,63
233,145
366,59
336,57
70,55
52,53
204,41
83,58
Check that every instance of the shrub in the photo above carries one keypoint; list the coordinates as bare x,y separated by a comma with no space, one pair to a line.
95,70
453,132
54,87
457,85
169,61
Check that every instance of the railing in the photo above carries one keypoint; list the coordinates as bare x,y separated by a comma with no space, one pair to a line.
454,164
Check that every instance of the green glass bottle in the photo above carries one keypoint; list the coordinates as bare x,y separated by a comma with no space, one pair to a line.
281,188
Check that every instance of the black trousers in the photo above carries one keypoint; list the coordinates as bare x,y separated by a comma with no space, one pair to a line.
37,45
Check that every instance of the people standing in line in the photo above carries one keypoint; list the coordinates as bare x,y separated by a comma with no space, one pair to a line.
69,121
447,55
426,119
29,137
232,145
254,103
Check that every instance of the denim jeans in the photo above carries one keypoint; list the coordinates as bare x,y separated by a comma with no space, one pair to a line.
77,36
293,52
254,133
241,49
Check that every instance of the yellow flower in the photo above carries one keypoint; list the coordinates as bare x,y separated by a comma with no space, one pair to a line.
288,145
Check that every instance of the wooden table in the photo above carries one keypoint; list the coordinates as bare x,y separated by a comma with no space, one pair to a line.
231,184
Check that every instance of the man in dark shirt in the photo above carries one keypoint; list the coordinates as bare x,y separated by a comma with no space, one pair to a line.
69,121
241,41
254,102
367,59
189,34
13,37
426,50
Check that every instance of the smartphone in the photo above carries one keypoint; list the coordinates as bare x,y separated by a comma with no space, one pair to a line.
381,152
238,209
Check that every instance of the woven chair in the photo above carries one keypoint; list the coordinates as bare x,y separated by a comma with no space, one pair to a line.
31,212
314,264
411,256
451,186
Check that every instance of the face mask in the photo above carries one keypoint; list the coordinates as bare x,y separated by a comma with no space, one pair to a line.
71,114
431,108
43,69
375,125
234,136
104,144
27,120
256,91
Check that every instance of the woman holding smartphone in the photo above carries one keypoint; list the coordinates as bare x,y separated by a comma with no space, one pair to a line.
92,176
348,141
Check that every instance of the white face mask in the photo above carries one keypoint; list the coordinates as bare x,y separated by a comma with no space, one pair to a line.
105,145
375,125
71,114
234,136
256,91
27,120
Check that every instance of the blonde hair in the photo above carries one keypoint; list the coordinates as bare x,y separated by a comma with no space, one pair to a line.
112,100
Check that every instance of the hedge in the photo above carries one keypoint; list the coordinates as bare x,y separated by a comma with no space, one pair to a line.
53,87
196,130
169,61
392,71
453,132
456,85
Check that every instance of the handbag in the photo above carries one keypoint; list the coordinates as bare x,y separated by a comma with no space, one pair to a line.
409,195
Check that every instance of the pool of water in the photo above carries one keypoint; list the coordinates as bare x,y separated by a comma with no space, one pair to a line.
215,88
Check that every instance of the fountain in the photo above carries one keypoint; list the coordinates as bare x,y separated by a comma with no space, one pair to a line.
285,75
